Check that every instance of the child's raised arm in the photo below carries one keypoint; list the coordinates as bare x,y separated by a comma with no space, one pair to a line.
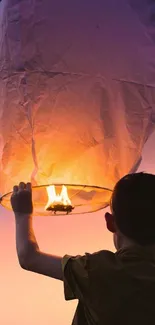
29,255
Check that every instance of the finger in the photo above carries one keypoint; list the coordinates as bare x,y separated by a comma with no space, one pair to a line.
22,186
29,187
15,189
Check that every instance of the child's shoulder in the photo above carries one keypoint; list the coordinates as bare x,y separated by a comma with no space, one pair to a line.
102,257
102,254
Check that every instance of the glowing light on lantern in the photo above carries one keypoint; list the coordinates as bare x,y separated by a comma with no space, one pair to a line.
65,99
58,202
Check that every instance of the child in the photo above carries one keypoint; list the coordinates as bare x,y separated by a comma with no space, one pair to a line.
112,288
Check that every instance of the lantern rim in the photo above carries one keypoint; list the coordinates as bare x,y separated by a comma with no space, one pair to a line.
76,187
61,184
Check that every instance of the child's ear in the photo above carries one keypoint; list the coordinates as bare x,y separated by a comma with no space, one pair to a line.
110,222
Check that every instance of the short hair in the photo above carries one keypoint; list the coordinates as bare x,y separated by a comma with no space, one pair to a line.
133,206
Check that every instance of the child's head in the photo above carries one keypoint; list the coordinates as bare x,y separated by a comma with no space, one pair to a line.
133,209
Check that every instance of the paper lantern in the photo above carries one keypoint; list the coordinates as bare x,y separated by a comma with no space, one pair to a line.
76,97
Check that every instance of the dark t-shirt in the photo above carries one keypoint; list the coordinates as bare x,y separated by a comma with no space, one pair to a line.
112,288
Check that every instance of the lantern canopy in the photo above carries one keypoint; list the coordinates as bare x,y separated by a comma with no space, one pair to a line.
77,96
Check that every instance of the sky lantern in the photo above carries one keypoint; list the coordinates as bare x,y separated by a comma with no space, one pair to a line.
77,98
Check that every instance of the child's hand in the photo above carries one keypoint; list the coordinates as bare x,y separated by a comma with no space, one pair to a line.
21,199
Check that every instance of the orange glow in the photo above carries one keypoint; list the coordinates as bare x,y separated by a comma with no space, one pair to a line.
57,200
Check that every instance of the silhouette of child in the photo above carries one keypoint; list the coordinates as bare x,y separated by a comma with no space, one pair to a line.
112,288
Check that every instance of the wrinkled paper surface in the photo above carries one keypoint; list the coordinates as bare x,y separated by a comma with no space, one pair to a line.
77,90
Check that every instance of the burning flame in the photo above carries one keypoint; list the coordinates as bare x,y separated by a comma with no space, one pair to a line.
57,199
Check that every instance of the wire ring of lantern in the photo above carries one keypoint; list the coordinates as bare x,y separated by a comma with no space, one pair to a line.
72,199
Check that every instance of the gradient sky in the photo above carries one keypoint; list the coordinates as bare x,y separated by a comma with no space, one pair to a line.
27,298
31,299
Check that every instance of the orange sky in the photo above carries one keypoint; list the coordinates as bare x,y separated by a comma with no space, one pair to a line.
30,299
